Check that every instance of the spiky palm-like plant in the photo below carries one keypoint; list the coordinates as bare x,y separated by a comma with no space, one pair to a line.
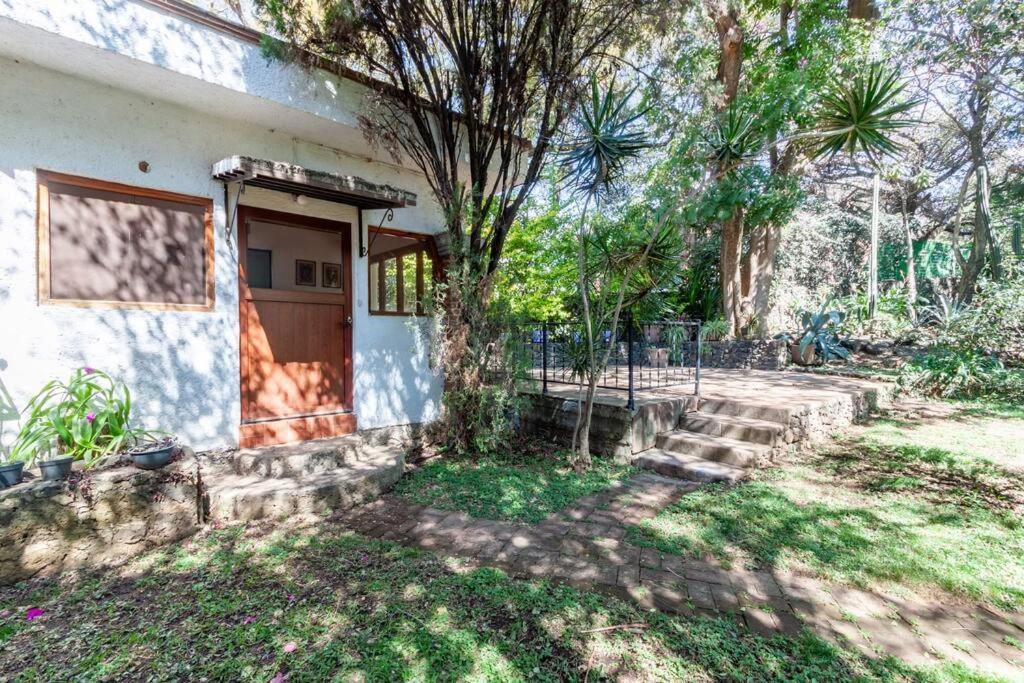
605,138
861,116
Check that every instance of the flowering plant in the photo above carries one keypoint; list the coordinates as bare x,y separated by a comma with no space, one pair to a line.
85,418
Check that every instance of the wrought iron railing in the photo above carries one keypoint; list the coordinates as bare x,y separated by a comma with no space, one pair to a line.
643,356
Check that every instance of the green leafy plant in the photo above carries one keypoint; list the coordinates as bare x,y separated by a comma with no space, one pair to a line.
714,330
952,373
86,417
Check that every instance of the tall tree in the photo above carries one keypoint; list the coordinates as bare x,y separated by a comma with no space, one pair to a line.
772,61
472,92
970,57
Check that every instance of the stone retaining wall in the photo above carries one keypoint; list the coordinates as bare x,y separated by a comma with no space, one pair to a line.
615,432
100,517
754,354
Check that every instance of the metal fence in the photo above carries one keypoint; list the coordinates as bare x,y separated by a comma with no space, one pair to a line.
642,356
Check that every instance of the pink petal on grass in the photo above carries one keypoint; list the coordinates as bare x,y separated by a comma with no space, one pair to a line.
33,614
248,620
291,646
292,598
279,678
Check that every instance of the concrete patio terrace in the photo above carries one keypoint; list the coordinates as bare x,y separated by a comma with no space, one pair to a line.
809,403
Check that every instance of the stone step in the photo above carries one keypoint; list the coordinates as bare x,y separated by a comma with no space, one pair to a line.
717,448
735,427
758,411
310,457
681,466
246,497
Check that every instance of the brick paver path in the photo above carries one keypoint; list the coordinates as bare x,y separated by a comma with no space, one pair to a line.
584,545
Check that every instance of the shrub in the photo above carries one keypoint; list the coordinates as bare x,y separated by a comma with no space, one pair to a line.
994,322
957,373
85,418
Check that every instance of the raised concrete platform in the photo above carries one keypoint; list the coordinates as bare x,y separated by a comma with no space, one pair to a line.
741,419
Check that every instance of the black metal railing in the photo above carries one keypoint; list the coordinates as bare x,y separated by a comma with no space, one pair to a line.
643,356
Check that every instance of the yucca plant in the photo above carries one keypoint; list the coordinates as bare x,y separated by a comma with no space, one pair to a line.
86,417
606,138
733,139
861,116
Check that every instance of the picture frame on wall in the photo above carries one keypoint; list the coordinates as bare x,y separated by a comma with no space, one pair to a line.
305,273
331,276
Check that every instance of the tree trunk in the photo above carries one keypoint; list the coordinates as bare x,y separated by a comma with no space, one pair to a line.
759,271
730,63
873,255
729,267
861,9
982,239
911,277
730,51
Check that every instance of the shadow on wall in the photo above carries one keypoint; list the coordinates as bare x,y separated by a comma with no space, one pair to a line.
394,382
8,412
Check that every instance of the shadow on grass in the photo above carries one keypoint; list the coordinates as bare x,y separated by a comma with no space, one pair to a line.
936,474
524,488
973,553
312,606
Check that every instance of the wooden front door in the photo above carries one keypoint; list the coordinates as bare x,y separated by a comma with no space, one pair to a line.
295,278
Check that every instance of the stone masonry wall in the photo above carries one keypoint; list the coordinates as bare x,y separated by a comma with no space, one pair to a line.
97,518
755,354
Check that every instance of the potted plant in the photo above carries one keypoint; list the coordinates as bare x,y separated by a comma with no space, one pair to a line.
714,330
153,453
818,340
11,471
84,418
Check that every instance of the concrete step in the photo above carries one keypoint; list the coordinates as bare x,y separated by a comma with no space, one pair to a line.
302,459
688,467
758,411
717,448
246,497
735,427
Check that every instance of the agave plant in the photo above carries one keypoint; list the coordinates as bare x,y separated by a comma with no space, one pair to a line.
820,330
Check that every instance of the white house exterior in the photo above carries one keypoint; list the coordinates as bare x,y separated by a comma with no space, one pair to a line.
153,94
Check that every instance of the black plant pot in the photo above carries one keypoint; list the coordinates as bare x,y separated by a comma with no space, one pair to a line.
153,459
56,469
10,474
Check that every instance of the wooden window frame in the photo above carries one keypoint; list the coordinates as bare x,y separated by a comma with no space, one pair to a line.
425,243
43,180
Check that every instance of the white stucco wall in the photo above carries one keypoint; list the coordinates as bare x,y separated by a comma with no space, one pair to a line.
183,367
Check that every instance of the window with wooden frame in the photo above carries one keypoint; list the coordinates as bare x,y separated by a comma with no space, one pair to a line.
401,272
109,245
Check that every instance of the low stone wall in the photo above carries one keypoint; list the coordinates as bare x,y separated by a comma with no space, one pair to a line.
97,518
753,354
615,431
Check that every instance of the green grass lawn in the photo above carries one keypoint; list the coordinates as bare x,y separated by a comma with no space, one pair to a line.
322,605
520,487
919,504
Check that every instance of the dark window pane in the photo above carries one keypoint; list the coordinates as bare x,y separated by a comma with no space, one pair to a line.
119,246
258,268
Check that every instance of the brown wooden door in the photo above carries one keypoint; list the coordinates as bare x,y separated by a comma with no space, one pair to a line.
296,343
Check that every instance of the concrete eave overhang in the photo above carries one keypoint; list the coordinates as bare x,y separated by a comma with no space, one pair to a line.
333,187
